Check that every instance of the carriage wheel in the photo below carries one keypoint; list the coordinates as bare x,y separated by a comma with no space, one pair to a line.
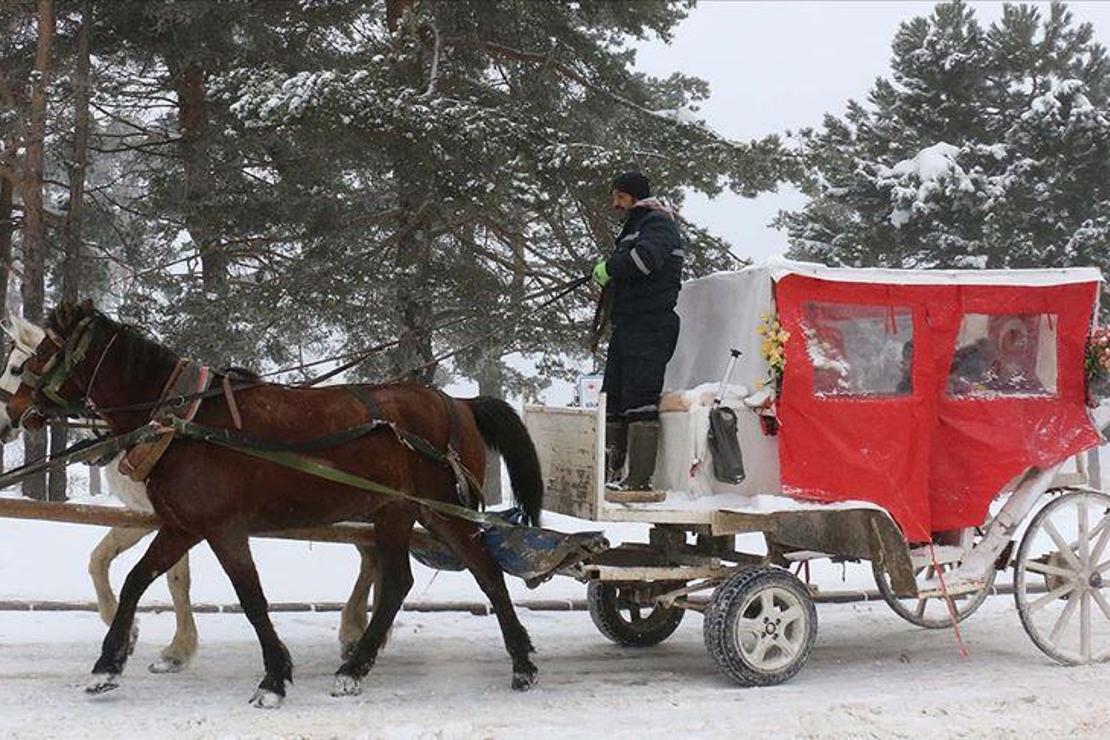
1065,550
760,626
932,612
625,619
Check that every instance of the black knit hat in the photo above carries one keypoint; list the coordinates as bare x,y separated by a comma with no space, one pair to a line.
634,183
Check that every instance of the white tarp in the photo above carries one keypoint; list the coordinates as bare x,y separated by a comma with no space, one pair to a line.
719,312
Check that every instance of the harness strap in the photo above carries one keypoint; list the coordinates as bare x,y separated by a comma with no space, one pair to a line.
466,485
469,489
84,452
231,405
362,393
324,469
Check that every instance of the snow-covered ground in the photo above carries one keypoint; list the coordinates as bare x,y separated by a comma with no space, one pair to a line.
446,675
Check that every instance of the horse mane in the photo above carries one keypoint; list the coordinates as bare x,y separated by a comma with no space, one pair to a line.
139,350
234,372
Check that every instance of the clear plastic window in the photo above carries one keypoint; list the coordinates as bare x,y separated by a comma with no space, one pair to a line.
1004,355
859,350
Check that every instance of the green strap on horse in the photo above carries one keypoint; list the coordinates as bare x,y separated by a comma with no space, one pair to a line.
276,453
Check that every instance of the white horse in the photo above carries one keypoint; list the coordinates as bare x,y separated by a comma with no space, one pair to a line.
174,657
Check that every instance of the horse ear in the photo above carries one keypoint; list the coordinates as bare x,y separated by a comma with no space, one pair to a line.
28,335
62,316
10,327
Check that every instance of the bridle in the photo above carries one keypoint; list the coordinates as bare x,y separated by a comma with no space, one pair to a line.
61,366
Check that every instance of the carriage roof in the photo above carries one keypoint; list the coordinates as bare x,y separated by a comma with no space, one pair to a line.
778,268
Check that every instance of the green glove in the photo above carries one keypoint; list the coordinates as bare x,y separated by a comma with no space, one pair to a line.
601,273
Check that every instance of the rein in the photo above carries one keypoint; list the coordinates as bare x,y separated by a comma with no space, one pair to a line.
287,455
83,336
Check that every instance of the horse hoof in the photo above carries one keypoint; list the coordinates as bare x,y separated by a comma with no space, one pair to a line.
346,686
167,665
523,680
266,699
102,683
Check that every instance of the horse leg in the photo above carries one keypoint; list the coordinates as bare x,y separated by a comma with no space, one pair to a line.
183,647
117,541
168,547
352,621
234,554
393,533
465,540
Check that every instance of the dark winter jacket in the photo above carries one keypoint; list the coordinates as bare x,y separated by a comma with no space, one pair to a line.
646,268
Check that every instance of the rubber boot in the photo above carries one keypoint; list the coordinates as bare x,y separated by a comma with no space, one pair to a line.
643,444
616,449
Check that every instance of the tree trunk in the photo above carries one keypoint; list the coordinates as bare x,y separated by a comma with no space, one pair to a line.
94,480
413,359
7,226
34,225
72,259
192,111
57,479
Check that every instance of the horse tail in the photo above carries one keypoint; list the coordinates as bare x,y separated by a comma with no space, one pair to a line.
505,433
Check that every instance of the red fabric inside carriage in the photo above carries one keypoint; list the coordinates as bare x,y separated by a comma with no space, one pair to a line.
927,399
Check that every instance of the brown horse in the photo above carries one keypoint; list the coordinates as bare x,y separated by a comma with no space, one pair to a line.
202,491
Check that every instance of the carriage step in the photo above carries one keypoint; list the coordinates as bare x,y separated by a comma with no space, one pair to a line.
932,589
635,497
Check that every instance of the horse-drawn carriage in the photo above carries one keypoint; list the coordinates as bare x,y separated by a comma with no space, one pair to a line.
880,416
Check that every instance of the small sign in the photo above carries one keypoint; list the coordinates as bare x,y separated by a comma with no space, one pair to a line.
589,388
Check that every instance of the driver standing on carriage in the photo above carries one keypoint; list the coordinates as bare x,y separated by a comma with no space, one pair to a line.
641,279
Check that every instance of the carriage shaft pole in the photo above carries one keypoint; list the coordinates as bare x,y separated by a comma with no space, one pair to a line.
110,516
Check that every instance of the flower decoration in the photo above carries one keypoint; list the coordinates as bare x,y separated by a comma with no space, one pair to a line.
773,349
1097,362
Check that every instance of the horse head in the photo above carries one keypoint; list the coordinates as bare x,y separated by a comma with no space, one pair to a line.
49,376
25,338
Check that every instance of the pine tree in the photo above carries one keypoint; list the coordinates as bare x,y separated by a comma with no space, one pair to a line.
985,148
496,128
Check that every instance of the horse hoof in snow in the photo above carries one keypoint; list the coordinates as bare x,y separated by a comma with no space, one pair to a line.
523,680
167,665
346,686
102,683
265,699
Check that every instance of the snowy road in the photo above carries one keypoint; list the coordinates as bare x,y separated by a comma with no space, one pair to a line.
446,676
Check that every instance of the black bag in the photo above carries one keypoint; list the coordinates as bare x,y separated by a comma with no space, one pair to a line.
724,443
728,463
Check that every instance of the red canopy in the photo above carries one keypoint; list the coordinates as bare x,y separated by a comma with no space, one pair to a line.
927,399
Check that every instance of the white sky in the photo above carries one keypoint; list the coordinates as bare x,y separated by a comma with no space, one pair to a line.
774,66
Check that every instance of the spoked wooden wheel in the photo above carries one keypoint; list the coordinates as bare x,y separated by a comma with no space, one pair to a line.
931,612
625,619
1065,551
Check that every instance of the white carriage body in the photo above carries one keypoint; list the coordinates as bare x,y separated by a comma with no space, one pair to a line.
721,312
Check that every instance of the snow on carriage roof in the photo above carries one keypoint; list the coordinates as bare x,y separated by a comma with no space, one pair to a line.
780,267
